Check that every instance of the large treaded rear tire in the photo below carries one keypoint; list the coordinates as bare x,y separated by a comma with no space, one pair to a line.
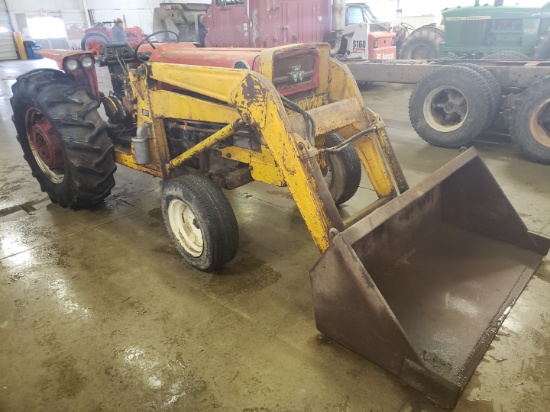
86,177
99,39
494,89
449,107
530,128
200,221
506,55
541,50
423,43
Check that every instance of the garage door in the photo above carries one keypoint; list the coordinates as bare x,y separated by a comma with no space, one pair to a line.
7,45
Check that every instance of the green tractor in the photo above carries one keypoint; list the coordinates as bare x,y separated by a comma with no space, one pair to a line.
497,32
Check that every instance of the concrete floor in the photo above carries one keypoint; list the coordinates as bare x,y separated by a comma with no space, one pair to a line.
98,312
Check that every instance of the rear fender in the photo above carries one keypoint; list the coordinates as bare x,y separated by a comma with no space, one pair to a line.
85,76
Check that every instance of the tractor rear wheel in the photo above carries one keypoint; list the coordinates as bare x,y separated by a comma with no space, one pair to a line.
200,221
342,170
449,107
542,47
421,44
91,42
63,138
530,128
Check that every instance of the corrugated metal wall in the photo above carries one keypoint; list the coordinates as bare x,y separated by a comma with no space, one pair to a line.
7,45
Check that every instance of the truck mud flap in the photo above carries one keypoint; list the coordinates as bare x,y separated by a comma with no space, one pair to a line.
421,286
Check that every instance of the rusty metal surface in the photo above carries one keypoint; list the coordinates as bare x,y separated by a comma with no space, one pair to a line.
509,74
264,23
421,286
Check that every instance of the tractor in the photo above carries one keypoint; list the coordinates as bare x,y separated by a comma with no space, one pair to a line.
393,279
100,33
495,32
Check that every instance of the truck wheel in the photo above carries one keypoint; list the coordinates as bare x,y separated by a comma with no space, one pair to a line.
449,106
63,138
506,55
91,42
200,221
494,89
342,171
530,129
542,47
423,43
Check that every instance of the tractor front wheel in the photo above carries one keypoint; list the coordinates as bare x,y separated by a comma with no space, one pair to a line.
200,221
342,170
63,138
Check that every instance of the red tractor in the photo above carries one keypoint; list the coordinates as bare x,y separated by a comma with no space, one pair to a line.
100,33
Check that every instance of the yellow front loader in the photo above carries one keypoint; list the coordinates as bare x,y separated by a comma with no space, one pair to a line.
417,282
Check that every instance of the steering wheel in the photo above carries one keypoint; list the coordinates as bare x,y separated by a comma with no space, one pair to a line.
147,39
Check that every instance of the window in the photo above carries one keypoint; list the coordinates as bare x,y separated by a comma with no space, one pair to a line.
46,27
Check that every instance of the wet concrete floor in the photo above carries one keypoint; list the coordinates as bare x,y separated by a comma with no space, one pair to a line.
98,312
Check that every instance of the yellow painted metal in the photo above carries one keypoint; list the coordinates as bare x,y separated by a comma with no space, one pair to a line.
170,105
295,157
127,160
263,167
211,82
211,140
18,38
332,117
372,157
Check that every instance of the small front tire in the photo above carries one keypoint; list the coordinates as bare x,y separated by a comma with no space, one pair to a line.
342,170
200,222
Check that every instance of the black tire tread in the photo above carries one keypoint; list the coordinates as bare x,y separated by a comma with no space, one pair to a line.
428,35
88,153
506,55
461,78
207,200
350,160
494,89
519,127
541,51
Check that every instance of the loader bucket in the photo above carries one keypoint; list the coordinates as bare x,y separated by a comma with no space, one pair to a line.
421,285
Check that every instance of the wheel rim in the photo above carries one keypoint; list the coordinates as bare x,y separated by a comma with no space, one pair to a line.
185,227
539,124
45,146
333,172
93,43
445,109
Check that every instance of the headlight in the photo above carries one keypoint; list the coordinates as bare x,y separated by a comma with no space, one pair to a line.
87,62
71,64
